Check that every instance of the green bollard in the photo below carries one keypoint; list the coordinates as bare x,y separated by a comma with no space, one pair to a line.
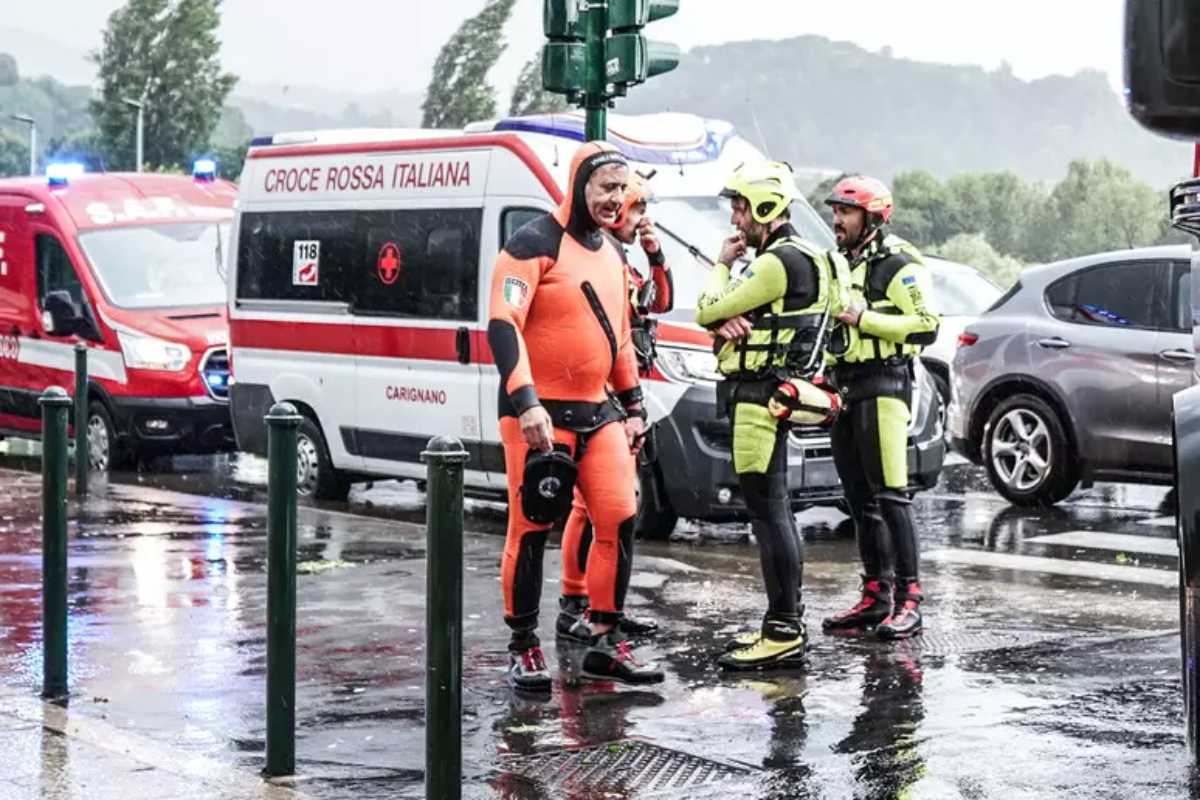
282,423
443,618
54,402
81,420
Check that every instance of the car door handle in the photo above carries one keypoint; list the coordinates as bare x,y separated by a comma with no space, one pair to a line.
1178,355
1054,343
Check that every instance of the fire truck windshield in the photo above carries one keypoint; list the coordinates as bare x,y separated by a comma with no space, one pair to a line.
160,266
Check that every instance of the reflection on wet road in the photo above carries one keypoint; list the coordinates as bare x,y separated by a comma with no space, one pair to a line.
1050,666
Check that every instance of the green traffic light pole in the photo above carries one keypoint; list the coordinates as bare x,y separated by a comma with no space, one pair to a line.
595,99
54,402
282,423
82,456
447,458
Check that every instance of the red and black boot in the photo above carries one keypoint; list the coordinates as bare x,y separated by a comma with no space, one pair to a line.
905,620
874,607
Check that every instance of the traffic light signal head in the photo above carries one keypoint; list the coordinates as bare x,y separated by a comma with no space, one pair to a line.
561,20
625,15
631,58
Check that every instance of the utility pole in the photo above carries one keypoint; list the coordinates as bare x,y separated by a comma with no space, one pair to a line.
140,106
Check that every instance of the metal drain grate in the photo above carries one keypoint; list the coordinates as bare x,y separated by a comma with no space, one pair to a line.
940,643
623,766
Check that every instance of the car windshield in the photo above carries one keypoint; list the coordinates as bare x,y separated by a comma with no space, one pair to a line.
704,223
160,266
961,291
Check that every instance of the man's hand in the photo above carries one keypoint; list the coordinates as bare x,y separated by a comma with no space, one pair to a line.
733,248
635,433
538,429
735,328
853,314
645,230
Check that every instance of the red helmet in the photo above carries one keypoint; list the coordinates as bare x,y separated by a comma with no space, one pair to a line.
859,191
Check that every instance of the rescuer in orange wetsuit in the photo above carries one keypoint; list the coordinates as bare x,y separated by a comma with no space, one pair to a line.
560,334
648,295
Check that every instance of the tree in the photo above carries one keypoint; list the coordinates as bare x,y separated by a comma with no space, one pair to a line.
8,70
528,95
1100,206
458,92
923,212
14,156
974,250
163,52
85,147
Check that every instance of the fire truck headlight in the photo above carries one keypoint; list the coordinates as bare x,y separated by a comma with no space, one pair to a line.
146,352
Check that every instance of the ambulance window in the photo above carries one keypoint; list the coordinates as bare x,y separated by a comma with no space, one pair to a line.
54,270
514,219
420,263
296,255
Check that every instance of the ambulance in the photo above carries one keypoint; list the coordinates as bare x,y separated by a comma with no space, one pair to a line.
130,265
360,271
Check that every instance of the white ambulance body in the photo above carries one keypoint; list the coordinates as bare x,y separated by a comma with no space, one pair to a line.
361,270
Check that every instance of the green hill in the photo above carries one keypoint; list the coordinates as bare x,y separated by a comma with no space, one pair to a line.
834,104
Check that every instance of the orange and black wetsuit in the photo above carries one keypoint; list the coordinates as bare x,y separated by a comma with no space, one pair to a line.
559,330
577,533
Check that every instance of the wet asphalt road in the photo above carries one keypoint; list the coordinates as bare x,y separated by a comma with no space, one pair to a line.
1050,668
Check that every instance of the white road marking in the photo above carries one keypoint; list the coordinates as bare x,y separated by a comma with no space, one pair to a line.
1118,542
1055,566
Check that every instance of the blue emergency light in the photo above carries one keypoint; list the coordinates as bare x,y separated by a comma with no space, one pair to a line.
216,380
204,169
60,173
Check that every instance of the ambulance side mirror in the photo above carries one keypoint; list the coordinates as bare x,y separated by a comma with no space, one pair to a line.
61,316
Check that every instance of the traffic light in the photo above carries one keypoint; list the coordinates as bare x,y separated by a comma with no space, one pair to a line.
631,58
564,58
587,64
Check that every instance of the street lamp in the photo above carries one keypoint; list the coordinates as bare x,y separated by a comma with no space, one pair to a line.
138,104
28,120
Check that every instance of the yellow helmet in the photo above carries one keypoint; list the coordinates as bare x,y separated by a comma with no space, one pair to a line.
768,186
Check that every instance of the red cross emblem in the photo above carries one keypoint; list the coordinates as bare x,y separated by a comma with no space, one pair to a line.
389,263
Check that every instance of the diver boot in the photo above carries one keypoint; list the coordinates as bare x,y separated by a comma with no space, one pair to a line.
905,620
635,627
873,608
780,645
571,623
527,671
610,658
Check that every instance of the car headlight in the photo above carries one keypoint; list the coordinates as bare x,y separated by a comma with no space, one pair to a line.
146,352
686,364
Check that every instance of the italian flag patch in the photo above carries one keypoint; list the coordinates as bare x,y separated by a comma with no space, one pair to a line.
516,291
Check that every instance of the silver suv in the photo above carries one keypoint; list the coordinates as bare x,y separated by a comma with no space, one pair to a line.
1068,377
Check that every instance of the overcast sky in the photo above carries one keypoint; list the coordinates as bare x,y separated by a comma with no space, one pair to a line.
370,45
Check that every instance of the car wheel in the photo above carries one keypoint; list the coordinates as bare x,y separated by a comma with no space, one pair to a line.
1027,453
655,517
316,476
104,451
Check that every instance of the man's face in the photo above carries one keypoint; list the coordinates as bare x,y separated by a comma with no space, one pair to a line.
740,218
605,193
628,232
848,224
